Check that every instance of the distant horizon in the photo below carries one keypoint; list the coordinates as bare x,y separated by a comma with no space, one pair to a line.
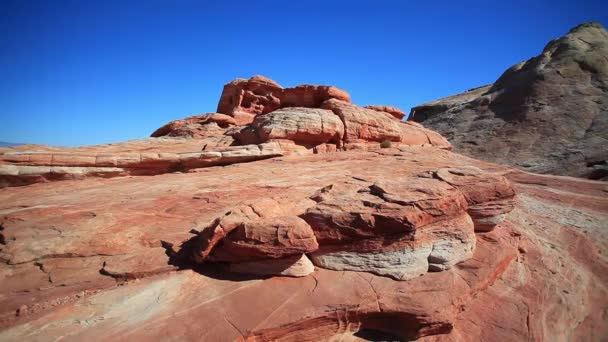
84,73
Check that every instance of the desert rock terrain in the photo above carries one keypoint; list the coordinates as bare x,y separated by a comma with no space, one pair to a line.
548,114
292,214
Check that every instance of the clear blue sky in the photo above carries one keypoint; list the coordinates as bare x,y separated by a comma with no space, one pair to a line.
87,72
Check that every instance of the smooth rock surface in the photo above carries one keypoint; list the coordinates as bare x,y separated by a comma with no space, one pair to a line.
362,124
394,111
294,266
306,126
548,114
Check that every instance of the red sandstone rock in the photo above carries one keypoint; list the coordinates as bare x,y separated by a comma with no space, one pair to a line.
243,99
219,139
274,237
365,125
196,126
386,210
109,259
394,111
301,125
26,167
490,196
224,225
73,228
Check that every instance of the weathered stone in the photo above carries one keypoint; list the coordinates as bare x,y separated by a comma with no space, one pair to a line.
490,196
394,111
71,228
196,126
244,99
368,125
111,259
304,126
294,266
264,238
546,114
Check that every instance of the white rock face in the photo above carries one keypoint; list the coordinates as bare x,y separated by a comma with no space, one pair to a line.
447,253
310,126
447,245
297,266
451,246
401,265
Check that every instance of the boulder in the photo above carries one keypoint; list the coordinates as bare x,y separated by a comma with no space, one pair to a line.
251,222
264,238
306,126
401,228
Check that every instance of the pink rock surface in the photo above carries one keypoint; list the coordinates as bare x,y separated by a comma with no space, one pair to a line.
274,238
58,236
394,111
244,99
306,126
196,126
362,124
409,242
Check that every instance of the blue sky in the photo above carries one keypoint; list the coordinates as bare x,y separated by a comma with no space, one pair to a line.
89,72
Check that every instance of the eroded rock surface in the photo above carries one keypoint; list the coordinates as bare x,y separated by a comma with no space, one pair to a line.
68,244
197,126
25,166
244,99
321,235
400,228
548,114
303,126
394,111
259,119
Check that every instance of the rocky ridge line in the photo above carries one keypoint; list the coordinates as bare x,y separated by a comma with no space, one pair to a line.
548,114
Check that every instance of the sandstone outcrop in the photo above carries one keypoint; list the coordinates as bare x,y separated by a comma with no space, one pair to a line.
22,168
394,111
306,119
490,197
363,125
548,114
301,125
196,126
58,236
277,239
244,99
401,228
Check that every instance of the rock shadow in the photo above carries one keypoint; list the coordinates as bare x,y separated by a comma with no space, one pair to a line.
182,259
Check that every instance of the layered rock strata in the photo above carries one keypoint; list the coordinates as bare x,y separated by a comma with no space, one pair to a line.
400,228
71,250
258,120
